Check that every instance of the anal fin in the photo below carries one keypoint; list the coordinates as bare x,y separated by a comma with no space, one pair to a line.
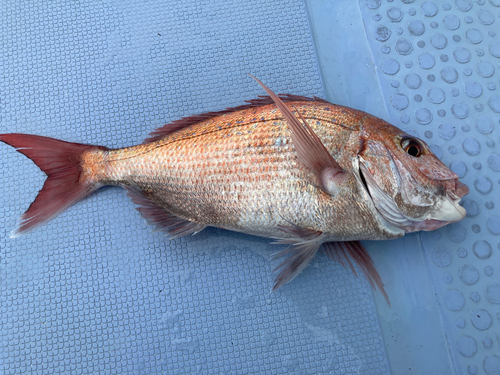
163,220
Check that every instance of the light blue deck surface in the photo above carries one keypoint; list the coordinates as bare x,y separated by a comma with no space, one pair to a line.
94,291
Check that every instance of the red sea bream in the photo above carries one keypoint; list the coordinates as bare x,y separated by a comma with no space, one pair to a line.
302,171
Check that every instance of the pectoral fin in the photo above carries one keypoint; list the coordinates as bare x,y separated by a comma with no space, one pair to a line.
302,254
310,150
301,235
303,246
340,252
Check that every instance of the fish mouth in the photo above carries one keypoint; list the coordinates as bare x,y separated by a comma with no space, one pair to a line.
449,209
445,211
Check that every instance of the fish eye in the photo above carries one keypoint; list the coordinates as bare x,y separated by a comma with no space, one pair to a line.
412,147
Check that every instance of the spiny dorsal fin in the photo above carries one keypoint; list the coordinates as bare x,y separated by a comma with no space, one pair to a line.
262,100
310,150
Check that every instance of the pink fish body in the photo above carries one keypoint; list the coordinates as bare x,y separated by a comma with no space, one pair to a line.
301,171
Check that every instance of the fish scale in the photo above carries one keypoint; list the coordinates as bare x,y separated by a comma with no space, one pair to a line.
228,172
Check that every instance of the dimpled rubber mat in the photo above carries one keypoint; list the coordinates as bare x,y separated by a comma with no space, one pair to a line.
94,291
438,66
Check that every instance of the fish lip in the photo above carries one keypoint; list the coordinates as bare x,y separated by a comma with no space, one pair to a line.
454,190
428,225
461,189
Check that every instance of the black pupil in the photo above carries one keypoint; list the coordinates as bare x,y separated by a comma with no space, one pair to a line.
413,150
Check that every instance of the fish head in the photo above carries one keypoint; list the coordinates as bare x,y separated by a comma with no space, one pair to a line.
410,187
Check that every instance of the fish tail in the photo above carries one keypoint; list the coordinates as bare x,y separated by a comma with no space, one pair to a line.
69,179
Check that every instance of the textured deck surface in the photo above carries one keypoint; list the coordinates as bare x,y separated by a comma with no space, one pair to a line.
438,68
94,291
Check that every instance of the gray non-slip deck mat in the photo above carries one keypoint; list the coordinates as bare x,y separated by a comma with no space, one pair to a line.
94,291
438,67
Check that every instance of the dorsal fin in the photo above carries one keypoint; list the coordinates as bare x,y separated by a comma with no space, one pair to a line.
262,100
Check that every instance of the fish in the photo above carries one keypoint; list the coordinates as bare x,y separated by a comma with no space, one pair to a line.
300,171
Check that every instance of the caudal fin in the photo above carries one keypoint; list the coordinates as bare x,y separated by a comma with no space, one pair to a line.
65,184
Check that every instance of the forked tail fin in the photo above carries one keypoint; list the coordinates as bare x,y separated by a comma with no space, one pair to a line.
66,184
